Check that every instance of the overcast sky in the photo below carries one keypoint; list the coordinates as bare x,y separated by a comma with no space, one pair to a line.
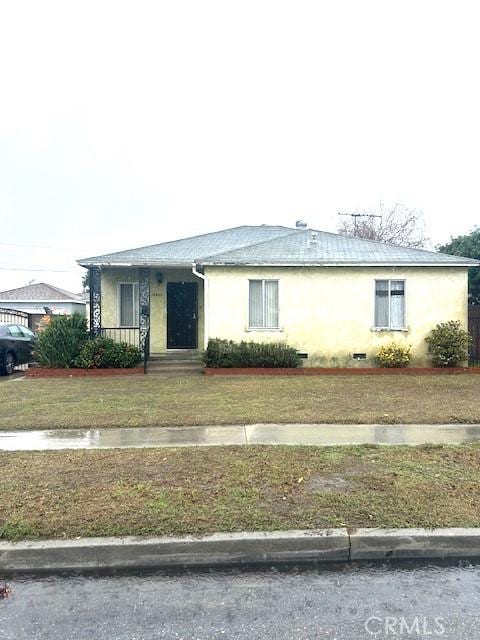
129,123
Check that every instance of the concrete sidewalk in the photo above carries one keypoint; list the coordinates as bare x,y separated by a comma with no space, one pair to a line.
253,434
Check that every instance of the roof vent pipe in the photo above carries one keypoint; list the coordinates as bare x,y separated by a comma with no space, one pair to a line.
314,237
300,224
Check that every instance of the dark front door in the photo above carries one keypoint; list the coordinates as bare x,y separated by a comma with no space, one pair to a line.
182,315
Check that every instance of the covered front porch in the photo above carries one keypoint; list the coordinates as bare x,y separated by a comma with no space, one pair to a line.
160,310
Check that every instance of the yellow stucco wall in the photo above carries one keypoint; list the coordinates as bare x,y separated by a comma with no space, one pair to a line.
328,312
111,277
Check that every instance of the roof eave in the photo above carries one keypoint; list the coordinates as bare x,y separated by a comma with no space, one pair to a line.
338,263
136,263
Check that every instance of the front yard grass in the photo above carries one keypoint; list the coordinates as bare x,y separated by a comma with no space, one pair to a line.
203,490
156,401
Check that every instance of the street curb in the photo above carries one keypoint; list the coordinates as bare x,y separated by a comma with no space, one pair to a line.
381,544
90,555
110,554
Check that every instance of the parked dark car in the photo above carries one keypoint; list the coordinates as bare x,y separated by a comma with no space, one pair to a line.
16,346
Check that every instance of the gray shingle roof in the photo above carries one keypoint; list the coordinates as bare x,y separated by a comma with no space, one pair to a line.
40,292
186,250
271,245
319,247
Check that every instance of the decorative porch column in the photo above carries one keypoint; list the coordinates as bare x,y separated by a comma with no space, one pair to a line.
144,302
94,284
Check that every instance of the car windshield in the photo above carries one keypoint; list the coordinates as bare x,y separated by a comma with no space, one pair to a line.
15,331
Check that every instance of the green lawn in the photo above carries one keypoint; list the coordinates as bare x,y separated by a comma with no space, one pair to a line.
156,401
202,490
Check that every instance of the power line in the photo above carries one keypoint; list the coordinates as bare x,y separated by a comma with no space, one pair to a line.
35,270
34,246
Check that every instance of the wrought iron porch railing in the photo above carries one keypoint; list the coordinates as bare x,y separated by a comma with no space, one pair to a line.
130,335
146,351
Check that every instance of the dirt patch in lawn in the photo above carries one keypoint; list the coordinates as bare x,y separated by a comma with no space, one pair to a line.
328,484
198,491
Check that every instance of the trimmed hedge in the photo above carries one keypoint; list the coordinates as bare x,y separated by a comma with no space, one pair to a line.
105,353
227,354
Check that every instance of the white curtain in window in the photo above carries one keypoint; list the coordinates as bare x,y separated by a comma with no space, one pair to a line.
255,304
381,304
129,311
397,304
271,304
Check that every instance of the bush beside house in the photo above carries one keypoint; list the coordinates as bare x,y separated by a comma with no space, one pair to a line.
393,356
230,354
105,353
448,347
65,343
448,344
60,342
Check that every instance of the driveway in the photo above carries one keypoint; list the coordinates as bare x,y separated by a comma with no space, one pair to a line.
14,376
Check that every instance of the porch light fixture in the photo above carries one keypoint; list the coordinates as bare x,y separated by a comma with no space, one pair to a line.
159,277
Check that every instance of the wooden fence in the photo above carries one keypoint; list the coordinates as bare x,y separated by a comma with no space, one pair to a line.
474,330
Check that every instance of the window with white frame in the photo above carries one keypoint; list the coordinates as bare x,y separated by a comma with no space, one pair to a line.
263,304
128,310
390,304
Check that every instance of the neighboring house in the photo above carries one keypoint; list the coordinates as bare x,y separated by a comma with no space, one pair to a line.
333,297
40,298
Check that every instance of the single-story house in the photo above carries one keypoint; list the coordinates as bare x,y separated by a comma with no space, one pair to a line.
335,298
39,298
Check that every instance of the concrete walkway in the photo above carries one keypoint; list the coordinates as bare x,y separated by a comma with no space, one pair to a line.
271,434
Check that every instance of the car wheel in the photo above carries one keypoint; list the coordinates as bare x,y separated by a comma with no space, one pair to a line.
9,363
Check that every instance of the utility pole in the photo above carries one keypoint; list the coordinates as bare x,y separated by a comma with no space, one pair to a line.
355,217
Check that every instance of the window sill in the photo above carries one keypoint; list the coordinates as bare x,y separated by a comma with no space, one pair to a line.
378,329
272,329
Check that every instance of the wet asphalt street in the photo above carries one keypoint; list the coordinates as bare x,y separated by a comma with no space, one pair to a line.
345,603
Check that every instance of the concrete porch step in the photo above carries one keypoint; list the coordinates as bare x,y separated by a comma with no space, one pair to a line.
194,356
180,362
174,365
176,359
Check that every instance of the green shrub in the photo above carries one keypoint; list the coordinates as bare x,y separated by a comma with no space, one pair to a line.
448,344
393,355
60,342
105,353
227,353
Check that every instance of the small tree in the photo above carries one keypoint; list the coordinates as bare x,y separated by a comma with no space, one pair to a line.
61,341
448,344
86,281
398,225
467,246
